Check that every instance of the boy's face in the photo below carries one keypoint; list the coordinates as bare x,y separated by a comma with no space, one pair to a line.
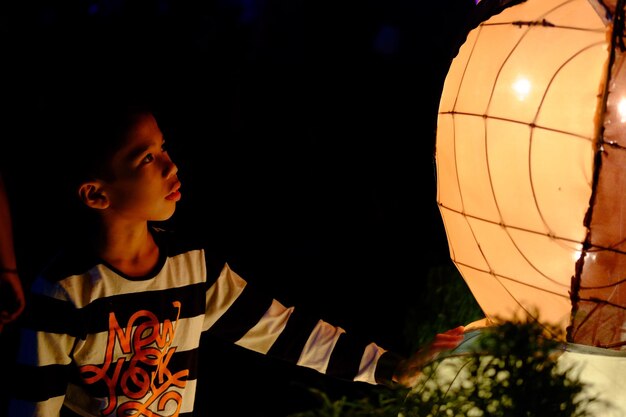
144,183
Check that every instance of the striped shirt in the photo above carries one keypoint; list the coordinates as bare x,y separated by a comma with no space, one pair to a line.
104,344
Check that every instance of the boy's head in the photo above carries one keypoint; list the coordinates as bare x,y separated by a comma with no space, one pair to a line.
114,161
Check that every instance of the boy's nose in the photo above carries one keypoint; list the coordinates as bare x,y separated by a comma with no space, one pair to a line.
170,168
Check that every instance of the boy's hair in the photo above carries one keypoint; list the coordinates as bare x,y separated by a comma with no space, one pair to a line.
98,132
95,128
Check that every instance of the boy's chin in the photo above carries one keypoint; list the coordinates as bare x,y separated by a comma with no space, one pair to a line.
165,217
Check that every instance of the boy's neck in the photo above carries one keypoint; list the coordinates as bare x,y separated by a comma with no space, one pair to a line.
132,251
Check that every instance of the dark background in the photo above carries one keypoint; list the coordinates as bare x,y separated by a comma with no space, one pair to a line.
304,133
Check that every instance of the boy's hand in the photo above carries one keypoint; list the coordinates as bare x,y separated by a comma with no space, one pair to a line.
409,369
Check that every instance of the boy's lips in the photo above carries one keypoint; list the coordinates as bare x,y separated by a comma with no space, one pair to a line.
174,195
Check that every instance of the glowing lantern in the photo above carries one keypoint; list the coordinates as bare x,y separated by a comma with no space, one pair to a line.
531,166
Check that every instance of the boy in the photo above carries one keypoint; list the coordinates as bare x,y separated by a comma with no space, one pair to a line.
114,323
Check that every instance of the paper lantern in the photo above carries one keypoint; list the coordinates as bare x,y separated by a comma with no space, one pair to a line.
531,166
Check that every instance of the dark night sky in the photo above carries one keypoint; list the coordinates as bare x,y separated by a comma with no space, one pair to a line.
304,132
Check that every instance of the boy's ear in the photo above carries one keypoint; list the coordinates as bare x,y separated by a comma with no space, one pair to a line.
92,194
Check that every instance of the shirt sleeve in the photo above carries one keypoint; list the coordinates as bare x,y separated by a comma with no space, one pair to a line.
247,317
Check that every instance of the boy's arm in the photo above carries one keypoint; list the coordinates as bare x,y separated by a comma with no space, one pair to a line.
238,313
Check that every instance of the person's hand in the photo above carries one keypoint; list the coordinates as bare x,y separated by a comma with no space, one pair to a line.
409,370
12,301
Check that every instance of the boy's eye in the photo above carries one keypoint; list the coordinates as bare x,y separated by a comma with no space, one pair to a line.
147,159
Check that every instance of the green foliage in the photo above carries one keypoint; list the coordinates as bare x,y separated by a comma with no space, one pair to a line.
386,403
509,370
445,302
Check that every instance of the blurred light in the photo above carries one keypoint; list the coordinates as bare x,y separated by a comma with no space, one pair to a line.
621,108
522,88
